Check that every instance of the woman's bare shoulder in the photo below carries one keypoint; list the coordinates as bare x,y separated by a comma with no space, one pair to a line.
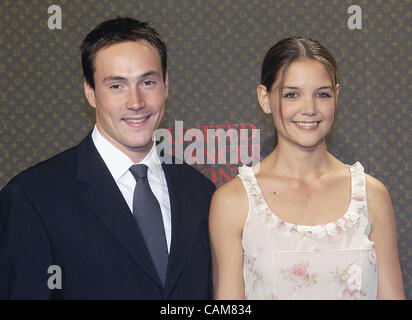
231,193
379,202
230,204
375,189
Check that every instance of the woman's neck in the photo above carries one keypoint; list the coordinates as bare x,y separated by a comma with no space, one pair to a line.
299,162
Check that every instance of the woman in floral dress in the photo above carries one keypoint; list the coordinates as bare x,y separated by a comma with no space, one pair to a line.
301,224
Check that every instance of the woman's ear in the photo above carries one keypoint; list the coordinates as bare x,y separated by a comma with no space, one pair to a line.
337,89
263,98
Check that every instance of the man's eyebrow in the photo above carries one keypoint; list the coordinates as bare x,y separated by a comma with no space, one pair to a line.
123,79
114,78
150,73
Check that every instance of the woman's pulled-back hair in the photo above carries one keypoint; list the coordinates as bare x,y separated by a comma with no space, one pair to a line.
285,52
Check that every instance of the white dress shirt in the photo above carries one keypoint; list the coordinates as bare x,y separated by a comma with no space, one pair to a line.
119,164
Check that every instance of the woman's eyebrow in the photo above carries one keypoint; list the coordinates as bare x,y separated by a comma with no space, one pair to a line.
291,88
297,88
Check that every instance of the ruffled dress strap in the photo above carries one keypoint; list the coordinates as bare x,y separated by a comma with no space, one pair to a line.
249,181
359,201
270,219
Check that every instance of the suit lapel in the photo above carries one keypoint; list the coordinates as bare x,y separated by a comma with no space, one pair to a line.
104,199
184,225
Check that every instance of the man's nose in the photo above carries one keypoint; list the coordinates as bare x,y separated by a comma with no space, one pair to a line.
136,99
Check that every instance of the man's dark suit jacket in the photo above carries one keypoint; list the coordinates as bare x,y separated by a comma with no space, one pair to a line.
68,211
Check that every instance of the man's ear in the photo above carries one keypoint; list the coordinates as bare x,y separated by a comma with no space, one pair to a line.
166,85
263,98
89,94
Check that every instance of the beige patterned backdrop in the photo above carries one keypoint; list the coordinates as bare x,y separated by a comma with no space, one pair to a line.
216,48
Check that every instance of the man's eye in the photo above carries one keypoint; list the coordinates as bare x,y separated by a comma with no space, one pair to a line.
148,83
115,86
291,95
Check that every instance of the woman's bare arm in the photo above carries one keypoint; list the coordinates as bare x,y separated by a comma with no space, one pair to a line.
228,213
383,234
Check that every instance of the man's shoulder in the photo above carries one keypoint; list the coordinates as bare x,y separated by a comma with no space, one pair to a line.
54,169
191,180
187,172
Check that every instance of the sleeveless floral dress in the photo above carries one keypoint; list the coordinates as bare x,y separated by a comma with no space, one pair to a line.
288,261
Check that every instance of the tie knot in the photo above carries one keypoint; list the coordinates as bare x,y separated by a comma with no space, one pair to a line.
139,171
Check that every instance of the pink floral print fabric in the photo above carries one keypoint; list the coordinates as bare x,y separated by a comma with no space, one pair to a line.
288,261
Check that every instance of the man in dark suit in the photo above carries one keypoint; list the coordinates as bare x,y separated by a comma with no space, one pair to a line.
106,219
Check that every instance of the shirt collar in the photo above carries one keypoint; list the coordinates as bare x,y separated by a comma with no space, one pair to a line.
118,162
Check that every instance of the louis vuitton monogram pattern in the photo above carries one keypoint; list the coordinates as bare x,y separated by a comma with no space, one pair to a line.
215,51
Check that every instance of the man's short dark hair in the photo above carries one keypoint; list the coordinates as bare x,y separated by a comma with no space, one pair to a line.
115,31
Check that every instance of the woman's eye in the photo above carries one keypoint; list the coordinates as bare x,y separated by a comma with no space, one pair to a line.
323,95
291,95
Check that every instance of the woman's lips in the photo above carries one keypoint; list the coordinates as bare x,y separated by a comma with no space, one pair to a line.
307,125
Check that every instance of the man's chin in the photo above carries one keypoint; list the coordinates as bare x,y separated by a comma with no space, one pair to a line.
141,145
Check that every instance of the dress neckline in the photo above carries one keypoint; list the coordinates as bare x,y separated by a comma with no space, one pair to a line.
268,217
